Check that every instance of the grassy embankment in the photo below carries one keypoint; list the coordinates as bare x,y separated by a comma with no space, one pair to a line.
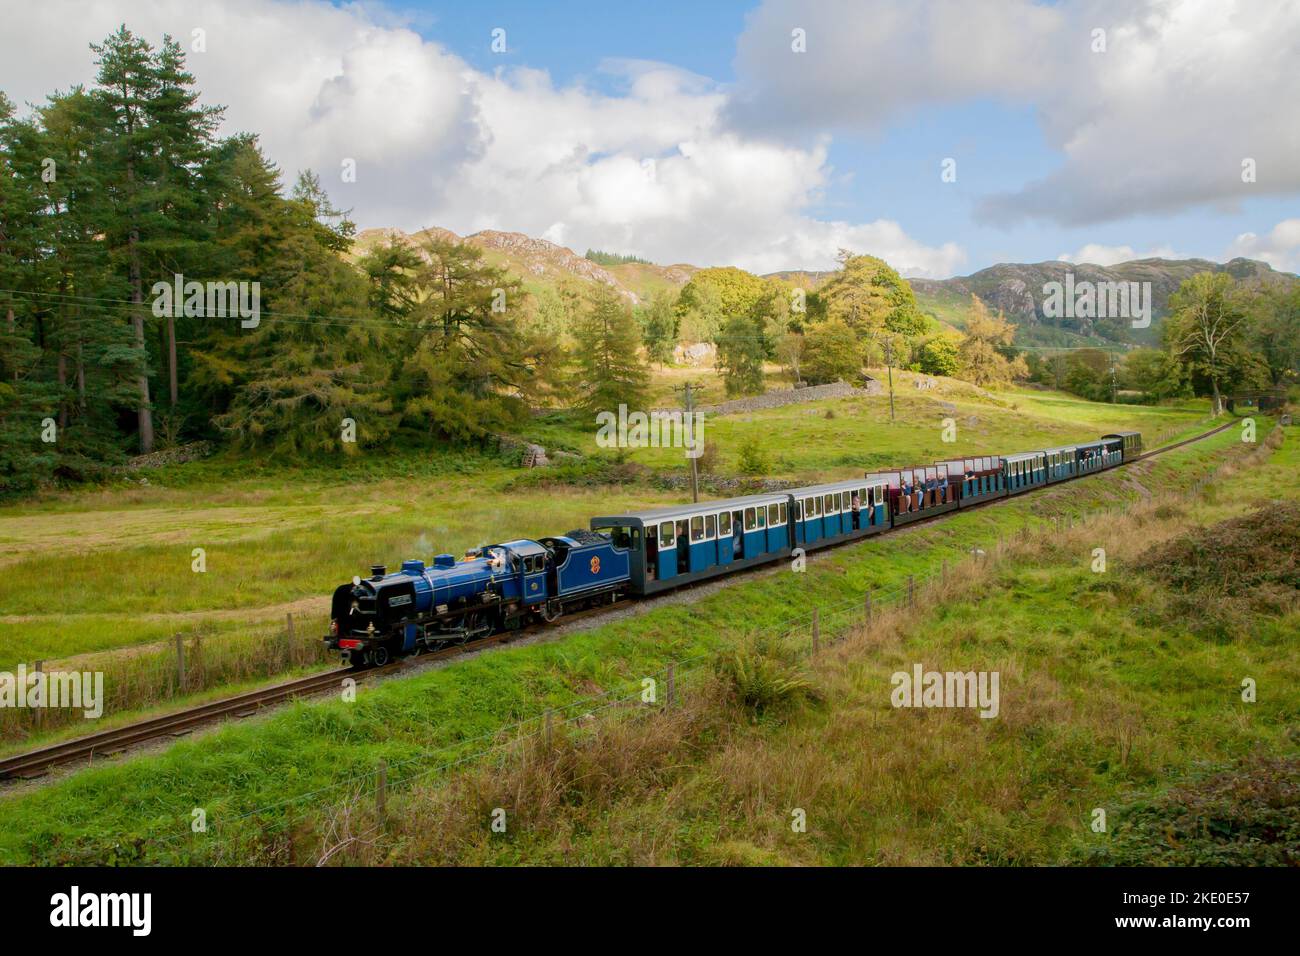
435,717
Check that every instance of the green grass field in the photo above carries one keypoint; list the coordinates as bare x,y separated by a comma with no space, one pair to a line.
140,809
110,568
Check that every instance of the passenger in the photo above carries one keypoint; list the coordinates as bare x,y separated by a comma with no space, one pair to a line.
905,499
856,506
943,489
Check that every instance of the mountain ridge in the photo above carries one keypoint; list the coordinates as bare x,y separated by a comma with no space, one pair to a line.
1017,289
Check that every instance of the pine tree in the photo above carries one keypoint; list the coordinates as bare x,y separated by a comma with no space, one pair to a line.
610,371
466,346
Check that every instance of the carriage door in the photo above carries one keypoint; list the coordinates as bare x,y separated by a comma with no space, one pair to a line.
738,533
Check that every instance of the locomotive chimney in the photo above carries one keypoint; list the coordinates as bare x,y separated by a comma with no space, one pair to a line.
377,572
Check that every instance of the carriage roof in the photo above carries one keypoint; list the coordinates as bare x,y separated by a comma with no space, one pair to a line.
668,512
829,488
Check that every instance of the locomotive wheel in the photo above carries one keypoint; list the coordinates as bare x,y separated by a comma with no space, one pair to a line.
379,656
551,611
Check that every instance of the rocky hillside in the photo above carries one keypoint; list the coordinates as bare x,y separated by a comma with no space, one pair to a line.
540,262
1018,290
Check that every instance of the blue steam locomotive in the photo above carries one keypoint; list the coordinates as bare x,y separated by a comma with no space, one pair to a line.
506,586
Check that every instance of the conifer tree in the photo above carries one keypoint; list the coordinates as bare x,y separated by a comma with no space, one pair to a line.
610,370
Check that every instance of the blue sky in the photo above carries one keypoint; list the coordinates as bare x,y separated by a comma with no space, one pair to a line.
889,172
697,132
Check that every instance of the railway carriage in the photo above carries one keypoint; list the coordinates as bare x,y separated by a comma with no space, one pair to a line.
975,479
1023,471
1090,457
1130,444
1062,462
825,514
678,544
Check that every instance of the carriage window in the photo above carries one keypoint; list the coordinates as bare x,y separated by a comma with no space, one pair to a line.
761,515
666,537
773,515
783,512
828,502
798,510
724,524
697,528
862,497
750,523
710,526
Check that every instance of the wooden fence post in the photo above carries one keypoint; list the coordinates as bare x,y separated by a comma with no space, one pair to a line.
911,590
546,730
816,629
288,638
672,683
40,711
866,604
180,663
381,792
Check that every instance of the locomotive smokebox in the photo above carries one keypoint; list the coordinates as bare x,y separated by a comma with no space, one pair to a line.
377,572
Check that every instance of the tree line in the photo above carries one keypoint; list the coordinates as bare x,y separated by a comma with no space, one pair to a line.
1221,335
110,192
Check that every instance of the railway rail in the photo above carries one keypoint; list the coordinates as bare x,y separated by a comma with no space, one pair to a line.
38,762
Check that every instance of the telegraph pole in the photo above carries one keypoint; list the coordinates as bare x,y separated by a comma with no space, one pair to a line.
889,363
690,430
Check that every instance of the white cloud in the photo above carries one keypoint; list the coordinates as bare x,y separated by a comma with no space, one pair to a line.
1280,248
1102,255
656,171
1160,121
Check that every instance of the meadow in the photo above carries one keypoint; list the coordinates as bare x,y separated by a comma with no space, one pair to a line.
110,568
294,759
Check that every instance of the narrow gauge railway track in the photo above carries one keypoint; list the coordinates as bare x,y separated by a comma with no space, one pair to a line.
36,763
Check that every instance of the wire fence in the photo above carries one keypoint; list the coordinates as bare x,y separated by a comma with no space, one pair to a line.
190,664
266,833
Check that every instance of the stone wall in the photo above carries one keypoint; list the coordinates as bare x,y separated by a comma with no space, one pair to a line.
793,396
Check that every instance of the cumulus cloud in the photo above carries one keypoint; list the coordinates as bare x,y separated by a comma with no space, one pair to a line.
1162,120
1280,248
1098,254
656,170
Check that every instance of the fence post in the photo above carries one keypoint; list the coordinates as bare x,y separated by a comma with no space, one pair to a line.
672,683
180,662
911,590
816,629
288,638
40,711
943,570
546,730
866,604
381,792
